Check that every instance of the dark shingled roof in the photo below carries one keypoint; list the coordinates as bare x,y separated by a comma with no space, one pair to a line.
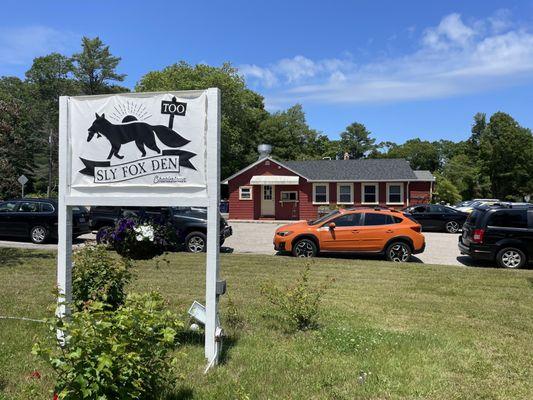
374,169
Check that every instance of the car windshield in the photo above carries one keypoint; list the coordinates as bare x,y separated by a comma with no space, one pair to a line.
324,218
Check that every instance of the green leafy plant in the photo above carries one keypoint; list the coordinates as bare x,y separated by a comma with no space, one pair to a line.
298,304
99,276
114,354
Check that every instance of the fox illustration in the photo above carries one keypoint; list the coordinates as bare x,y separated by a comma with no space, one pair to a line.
141,133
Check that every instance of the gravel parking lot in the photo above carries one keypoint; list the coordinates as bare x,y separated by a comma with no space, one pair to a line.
441,248
257,237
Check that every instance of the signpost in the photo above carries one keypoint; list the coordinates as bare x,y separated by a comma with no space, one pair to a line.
23,180
130,150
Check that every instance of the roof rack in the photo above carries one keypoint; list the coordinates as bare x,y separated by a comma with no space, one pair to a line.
506,204
375,208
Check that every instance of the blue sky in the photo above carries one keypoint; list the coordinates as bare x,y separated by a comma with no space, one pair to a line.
403,68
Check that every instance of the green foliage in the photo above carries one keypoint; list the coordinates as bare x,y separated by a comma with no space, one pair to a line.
421,154
290,136
356,141
242,109
99,277
50,77
506,157
114,354
16,148
298,304
95,67
446,191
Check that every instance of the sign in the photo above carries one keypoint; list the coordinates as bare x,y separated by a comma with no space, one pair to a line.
142,144
22,180
142,149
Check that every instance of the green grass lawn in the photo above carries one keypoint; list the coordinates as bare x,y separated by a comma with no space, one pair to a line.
418,331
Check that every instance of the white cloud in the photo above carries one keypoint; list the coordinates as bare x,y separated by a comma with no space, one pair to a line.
453,58
19,46
450,32
266,76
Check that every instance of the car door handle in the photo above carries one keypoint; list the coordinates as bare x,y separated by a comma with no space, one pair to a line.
389,231
355,231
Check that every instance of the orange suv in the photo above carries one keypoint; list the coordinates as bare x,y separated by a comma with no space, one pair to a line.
358,230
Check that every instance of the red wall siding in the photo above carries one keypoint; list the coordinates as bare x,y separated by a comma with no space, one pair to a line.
304,208
240,209
424,189
251,209
332,193
287,210
357,193
307,209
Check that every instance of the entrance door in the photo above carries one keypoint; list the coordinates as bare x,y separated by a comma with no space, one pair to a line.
267,201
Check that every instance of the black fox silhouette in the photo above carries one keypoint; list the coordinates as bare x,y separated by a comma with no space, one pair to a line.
141,133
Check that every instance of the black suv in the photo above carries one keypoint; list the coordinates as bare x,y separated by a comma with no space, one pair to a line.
501,232
37,219
190,222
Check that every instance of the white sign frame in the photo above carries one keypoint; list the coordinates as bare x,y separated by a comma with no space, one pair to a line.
159,199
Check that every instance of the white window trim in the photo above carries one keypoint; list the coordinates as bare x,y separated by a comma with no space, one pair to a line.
327,193
339,193
363,185
288,201
389,184
251,193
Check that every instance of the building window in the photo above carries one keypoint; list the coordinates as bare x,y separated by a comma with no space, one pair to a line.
369,193
267,192
344,193
245,193
289,196
320,193
394,193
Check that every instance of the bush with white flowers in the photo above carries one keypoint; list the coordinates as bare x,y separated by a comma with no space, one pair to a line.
144,232
140,239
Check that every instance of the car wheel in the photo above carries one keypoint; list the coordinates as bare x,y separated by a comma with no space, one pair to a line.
398,252
304,248
196,242
452,227
102,235
511,257
38,234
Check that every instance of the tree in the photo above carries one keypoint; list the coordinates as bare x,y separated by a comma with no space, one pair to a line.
16,146
506,157
478,127
242,109
95,67
51,77
464,173
421,154
445,190
356,141
290,136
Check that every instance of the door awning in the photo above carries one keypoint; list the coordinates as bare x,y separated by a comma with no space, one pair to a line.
274,180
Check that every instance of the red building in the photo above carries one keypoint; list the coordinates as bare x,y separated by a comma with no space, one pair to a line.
296,190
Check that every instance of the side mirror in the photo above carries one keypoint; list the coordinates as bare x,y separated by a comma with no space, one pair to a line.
332,225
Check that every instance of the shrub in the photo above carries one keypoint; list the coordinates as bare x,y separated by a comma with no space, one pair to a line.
114,354
140,238
298,304
98,276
